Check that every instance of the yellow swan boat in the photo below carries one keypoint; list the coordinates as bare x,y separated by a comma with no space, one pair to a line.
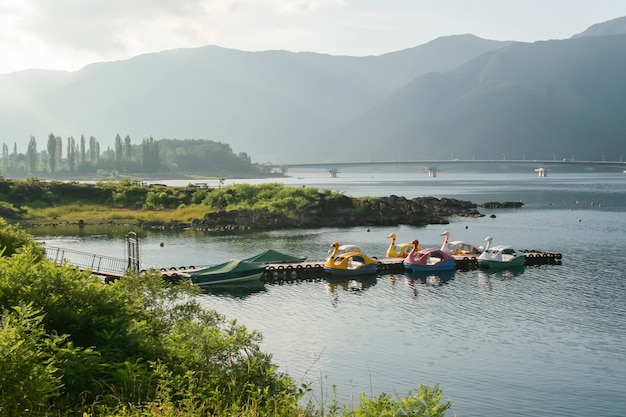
400,250
349,263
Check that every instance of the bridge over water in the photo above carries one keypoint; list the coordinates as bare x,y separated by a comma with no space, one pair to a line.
432,166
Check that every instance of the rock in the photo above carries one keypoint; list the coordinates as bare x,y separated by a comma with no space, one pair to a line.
507,204
344,212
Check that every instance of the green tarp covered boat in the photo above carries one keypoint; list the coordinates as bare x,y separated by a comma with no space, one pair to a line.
235,271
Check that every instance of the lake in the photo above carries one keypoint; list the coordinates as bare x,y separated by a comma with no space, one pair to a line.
548,340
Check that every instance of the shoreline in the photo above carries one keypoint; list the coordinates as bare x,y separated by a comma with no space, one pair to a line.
420,211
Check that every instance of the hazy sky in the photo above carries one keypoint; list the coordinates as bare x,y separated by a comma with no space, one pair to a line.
68,34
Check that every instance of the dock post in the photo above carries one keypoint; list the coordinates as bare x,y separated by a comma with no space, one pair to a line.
132,242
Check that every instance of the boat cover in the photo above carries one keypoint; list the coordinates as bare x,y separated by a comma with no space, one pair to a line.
272,256
232,266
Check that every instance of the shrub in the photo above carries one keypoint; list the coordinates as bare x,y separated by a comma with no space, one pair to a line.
71,344
29,363
14,240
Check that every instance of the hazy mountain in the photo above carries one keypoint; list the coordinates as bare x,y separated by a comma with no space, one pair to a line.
455,97
611,27
261,103
548,99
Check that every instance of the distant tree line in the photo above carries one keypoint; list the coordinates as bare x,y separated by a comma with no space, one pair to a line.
83,157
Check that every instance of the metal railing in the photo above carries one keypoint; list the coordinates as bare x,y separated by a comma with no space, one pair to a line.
98,264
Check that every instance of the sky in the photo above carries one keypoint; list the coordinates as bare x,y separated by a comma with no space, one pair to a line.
69,34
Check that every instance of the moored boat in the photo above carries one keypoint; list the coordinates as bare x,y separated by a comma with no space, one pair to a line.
354,262
272,256
233,272
430,259
397,250
459,247
501,256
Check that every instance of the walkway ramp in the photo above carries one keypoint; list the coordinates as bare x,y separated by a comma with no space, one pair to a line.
106,266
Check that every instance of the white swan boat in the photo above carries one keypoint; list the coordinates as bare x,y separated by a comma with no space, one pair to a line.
501,256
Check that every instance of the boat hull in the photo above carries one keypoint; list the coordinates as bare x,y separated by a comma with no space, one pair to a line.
496,264
233,272
341,272
228,279
447,265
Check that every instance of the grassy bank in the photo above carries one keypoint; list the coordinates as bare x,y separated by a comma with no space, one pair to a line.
33,201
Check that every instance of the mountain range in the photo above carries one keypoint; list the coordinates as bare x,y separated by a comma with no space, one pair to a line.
459,97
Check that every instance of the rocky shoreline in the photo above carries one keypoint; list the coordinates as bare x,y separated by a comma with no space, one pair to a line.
341,212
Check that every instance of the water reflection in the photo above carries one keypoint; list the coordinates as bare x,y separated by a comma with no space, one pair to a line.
414,279
501,274
432,279
353,285
236,291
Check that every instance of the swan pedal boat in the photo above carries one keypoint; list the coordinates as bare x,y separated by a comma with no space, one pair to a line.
501,256
459,247
430,259
349,260
399,250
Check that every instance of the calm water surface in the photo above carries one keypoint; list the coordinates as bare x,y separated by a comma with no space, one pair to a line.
547,340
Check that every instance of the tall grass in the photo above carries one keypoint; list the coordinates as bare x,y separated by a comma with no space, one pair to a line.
95,213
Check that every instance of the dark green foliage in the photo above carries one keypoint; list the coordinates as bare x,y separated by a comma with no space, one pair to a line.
71,344
273,197
121,343
31,155
52,146
150,158
14,240
29,362
37,193
423,402
204,156
126,193
9,211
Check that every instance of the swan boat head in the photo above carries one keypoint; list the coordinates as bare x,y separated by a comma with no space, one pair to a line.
446,241
399,250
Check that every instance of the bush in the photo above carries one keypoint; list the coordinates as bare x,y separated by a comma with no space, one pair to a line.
14,240
71,344
126,342
29,361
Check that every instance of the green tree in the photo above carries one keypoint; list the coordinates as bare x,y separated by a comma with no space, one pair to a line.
5,157
128,151
58,155
14,156
94,150
52,152
150,155
119,148
31,155
83,151
71,154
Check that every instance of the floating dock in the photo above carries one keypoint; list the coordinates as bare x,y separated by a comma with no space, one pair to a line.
311,270
113,269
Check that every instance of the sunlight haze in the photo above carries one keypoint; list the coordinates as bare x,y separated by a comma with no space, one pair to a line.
69,34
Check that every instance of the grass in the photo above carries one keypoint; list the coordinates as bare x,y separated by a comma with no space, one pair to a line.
93,213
